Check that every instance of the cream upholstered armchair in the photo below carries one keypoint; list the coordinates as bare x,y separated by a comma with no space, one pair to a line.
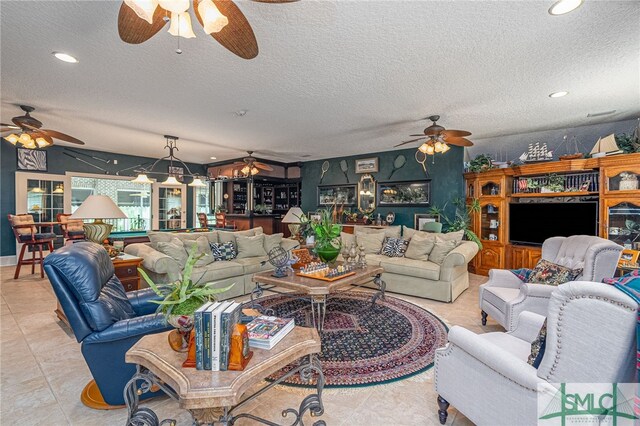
505,296
591,335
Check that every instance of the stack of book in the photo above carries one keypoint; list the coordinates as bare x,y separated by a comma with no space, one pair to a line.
265,332
214,322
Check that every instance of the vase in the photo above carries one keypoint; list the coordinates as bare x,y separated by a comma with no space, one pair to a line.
328,253
179,338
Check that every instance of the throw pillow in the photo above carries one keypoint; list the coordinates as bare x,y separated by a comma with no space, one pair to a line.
441,249
174,249
419,247
250,246
272,241
223,251
550,273
394,247
456,236
372,242
538,347
202,249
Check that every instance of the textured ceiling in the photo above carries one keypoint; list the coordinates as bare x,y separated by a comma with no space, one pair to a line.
332,77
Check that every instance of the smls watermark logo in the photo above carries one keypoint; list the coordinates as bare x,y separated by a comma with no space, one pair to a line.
610,404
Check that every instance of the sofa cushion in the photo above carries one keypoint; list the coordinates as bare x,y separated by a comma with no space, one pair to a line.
375,259
394,247
441,249
538,347
389,231
38,236
411,267
173,248
250,246
500,296
272,241
223,251
251,265
518,347
371,241
202,249
419,247
550,273
226,236
156,237
217,271
410,232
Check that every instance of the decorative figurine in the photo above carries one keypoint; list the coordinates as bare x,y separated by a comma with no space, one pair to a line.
345,254
362,261
353,253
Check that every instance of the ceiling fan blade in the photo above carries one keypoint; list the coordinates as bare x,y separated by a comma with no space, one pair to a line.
8,129
11,126
406,142
237,36
458,141
135,30
263,166
423,135
62,136
455,133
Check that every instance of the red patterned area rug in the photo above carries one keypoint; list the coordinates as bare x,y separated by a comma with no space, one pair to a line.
364,345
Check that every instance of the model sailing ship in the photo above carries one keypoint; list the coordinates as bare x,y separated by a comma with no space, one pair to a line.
605,146
536,153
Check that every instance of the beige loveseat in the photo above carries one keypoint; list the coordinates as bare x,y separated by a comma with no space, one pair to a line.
443,281
163,268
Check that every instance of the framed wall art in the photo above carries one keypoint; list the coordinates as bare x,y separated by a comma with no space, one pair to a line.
32,160
367,165
419,219
406,193
329,195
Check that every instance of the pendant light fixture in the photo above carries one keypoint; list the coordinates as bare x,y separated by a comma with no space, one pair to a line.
171,145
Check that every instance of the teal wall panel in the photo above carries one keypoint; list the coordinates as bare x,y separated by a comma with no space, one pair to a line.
447,181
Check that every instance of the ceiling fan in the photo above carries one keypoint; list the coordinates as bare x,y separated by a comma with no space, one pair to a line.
251,165
139,20
30,133
438,138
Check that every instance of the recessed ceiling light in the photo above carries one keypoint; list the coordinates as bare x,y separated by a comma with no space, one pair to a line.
65,57
564,6
558,94
213,158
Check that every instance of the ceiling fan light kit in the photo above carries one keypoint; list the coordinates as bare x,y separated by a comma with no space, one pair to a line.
143,8
31,136
438,138
181,25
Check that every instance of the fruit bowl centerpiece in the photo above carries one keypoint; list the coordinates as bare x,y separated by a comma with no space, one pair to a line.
181,298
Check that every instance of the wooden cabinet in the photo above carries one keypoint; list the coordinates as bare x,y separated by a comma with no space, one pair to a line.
490,257
522,256
621,221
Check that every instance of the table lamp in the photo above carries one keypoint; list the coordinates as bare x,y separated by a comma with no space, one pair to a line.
98,207
293,218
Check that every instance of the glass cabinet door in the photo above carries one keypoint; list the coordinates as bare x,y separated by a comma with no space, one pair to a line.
488,189
489,222
45,199
171,207
621,179
623,221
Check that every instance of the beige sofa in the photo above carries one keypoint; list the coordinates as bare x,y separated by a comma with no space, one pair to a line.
443,282
162,268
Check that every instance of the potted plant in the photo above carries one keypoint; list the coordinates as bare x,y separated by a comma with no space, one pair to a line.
327,236
181,298
461,220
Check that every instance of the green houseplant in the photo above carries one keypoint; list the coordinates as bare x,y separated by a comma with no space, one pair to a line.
181,298
461,220
327,236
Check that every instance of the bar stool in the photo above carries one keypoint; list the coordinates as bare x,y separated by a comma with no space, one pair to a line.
26,233
72,229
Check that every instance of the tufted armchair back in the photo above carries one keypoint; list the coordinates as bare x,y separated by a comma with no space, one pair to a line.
596,256
591,335
91,296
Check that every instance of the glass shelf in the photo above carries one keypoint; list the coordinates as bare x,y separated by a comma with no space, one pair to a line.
624,225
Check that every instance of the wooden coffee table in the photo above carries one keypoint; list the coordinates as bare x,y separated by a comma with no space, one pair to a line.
317,291
215,397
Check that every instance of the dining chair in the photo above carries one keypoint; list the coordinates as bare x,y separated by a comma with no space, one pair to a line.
26,232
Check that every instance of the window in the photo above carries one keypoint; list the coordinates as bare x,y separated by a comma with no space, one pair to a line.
203,203
134,200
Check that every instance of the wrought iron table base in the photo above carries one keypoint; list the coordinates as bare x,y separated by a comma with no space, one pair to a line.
318,302
224,416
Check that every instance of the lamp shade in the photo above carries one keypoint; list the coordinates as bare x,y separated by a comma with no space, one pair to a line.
98,207
293,215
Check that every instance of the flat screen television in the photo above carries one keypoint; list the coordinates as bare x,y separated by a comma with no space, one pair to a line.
532,223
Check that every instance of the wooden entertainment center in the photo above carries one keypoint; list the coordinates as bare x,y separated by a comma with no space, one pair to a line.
612,181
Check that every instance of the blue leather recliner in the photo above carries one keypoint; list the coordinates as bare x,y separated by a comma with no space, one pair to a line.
106,320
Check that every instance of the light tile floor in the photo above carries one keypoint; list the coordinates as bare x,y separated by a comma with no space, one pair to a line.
42,370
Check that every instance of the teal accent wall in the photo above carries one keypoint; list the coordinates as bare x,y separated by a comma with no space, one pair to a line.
447,182
59,163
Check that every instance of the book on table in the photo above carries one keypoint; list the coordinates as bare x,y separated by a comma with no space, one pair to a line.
265,332
216,334
229,317
197,323
213,324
